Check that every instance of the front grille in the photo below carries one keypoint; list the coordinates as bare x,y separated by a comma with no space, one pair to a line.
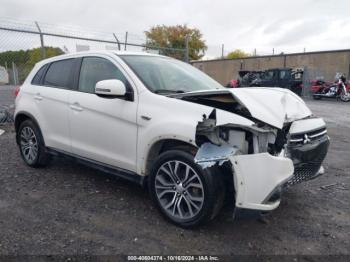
307,158
307,136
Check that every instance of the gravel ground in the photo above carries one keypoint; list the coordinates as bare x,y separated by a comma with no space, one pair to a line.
68,209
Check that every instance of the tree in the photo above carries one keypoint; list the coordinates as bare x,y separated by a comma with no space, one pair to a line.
175,37
26,59
237,54
35,54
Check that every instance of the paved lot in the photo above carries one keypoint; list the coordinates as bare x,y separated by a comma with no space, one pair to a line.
67,208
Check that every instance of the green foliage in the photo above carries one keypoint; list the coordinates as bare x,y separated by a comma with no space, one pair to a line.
237,54
174,37
26,59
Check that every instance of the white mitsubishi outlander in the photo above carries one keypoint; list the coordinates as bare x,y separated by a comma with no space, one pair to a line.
162,123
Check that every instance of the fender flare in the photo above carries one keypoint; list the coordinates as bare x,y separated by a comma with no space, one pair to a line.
31,117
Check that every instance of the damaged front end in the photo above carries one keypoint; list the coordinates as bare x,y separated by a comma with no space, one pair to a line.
263,159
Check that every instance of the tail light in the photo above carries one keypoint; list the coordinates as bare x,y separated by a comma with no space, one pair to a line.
17,89
301,86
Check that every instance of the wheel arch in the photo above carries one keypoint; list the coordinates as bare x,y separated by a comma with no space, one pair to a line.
163,145
21,117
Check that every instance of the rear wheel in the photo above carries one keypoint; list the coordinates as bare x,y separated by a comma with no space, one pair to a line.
186,194
31,144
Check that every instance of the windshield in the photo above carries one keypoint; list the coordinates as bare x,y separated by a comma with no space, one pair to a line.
163,75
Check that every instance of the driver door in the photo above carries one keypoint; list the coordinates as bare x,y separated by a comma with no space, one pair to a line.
102,128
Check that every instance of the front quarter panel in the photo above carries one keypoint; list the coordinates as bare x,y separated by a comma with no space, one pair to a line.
160,117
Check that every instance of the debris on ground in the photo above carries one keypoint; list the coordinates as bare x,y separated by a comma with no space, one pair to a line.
328,186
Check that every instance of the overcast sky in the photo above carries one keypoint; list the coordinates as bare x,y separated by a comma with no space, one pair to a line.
287,26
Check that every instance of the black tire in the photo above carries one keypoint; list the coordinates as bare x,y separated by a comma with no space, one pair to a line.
345,98
41,158
213,189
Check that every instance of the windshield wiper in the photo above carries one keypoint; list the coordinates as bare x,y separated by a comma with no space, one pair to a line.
167,91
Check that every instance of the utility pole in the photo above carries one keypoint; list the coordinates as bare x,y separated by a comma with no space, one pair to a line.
43,52
126,40
273,51
14,73
222,51
187,53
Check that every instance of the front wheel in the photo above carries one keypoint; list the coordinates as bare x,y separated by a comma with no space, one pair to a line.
345,96
185,194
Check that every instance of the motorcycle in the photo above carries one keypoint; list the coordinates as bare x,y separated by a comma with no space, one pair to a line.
339,89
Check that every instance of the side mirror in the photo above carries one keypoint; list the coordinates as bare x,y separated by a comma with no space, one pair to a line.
111,87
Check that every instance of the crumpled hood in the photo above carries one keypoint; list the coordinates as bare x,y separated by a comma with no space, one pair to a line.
274,106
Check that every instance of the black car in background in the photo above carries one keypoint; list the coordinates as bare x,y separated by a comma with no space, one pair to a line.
275,77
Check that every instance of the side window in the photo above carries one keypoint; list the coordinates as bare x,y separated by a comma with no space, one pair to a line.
94,69
268,75
37,78
59,74
282,74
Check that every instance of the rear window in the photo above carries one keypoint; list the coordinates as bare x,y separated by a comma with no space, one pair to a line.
37,78
59,74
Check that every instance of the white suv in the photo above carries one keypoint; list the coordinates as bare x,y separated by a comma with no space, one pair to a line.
166,125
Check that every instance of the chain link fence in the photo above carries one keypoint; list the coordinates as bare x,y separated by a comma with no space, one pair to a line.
24,44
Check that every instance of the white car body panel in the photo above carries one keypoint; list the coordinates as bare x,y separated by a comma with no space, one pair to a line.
253,187
303,125
52,103
274,106
102,125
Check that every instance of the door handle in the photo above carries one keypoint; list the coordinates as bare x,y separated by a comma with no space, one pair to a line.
38,97
76,107
146,118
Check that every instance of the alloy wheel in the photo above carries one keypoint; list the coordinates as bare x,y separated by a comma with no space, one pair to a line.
29,144
179,190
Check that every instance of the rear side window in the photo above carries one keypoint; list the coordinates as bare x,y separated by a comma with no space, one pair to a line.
59,74
37,78
94,69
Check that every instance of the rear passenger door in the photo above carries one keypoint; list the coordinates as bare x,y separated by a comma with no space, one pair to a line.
103,129
51,98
